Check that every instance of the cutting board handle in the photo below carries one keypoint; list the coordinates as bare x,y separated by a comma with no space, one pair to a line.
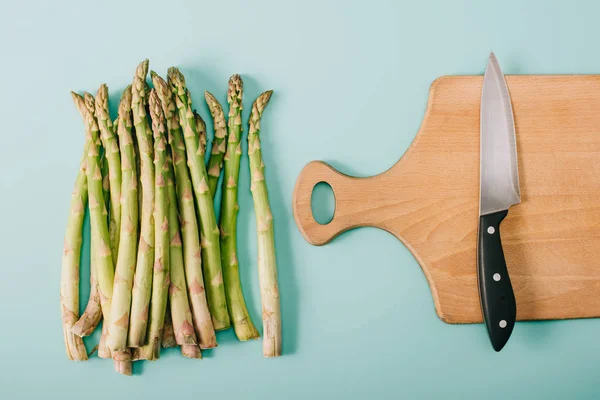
351,202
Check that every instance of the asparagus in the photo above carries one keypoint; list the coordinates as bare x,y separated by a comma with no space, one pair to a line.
203,325
178,298
219,145
92,315
69,282
267,269
145,256
103,257
168,335
201,126
128,233
160,279
113,157
240,318
103,350
211,254
104,267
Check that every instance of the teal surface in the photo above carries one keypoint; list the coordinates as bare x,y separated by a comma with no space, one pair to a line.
351,81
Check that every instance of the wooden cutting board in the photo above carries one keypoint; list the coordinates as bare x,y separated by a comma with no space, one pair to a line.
429,200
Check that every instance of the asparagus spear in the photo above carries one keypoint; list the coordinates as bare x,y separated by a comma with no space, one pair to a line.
168,335
203,325
178,298
103,350
69,283
145,257
161,271
93,314
219,146
201,126
103,257
242,323
104,267
211,254
113,157
128,233
89,103
267,269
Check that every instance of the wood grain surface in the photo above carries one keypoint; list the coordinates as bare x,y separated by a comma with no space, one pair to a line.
429,199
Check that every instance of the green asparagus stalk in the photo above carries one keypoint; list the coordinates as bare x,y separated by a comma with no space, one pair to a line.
219,145
201,126
267,269
104,267
113,157
103,350
168,335
211,254
161,273
178,298
128,233
122,358
145,257
92,315
238,312
100,233
205,332
69,283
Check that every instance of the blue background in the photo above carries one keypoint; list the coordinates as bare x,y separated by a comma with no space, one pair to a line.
351,81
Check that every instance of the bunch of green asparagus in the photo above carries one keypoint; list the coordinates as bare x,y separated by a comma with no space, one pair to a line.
163,271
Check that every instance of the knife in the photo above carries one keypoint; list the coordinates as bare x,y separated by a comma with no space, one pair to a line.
499,189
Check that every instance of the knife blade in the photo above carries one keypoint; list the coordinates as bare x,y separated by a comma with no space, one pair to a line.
499,189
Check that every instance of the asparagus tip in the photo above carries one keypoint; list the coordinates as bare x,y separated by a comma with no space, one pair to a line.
260,103
156,114
236,85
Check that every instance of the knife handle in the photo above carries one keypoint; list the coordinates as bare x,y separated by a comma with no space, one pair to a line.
498,303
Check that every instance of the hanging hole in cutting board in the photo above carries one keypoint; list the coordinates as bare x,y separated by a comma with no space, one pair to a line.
322,203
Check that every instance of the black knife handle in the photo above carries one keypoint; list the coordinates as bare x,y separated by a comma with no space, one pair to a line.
495,291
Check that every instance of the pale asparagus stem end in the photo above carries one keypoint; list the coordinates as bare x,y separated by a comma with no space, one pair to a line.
122,362
191,351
